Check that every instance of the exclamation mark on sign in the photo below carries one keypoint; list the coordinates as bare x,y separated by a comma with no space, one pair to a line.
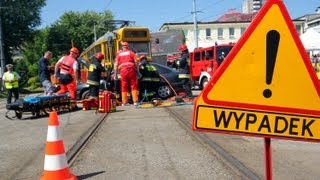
273,38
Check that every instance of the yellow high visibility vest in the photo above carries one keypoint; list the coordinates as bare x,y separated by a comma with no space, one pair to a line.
10,85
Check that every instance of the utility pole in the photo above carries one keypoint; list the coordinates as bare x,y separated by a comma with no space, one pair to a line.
195,24
1,47
95,32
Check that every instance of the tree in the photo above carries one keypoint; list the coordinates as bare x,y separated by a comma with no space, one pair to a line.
19,19
32,51
77,29
72,28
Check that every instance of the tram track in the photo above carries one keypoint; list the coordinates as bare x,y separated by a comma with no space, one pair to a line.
226,157
232,162
75,150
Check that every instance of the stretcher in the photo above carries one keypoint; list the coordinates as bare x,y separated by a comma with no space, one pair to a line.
38,105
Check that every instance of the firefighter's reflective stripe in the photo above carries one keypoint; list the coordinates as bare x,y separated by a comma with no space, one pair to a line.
184,76
150,79
145,79
178,61
149,67
93,82
155,79
92,67
149,94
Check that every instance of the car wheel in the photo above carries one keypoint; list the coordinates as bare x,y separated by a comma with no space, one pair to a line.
85,94
203,83
164,91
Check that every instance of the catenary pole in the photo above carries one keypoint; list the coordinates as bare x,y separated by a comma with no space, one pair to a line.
195,24
1,46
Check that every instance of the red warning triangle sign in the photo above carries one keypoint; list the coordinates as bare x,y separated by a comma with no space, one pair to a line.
267,75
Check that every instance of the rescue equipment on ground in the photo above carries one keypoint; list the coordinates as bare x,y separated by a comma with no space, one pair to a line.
38,105
156,101
107,102
89,104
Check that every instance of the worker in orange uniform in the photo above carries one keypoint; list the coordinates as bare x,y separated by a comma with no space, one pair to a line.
126,62
68,76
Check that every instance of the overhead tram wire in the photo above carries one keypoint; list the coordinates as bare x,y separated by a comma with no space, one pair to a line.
109,3
210,6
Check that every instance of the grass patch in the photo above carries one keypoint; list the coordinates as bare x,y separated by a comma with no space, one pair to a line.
3,94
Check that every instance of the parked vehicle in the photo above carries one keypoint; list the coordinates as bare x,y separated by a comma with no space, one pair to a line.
172,76
169,83
205,61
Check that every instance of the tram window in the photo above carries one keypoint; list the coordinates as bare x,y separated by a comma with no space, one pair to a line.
135,34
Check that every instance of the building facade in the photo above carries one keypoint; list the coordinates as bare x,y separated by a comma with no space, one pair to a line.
220,31
252,6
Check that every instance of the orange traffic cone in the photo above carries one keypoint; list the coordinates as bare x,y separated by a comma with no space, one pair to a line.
55,162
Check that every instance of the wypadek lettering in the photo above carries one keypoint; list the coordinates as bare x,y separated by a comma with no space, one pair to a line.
258,122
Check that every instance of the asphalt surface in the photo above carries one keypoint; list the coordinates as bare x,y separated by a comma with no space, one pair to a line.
23,141
135,143
147,144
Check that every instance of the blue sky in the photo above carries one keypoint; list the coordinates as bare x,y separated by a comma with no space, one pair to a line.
153,14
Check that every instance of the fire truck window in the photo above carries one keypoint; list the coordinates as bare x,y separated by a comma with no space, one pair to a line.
209,55
197,56
203,55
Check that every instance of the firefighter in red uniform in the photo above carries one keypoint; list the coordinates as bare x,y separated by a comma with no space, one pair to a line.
126,62
68,76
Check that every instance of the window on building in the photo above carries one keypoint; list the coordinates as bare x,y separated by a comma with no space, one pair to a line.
242,29
220,33
231,33
208,33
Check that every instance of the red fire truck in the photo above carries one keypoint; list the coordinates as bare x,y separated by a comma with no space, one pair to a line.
205,61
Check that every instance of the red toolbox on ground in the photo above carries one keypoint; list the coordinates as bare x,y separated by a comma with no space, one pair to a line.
107,102
89,104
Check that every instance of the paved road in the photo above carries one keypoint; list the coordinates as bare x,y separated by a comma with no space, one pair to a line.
291,159
22,150
23,141
147,144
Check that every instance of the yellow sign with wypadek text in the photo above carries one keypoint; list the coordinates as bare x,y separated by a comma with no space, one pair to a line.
272,124
266,86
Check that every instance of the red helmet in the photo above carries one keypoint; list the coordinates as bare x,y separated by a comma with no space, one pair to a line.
183,47
124,44
74,50
99,56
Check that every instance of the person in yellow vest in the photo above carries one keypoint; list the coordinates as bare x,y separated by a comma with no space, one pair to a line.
11,83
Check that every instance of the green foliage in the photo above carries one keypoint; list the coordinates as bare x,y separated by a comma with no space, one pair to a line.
77,29
33,50
33,82
72,29
23,71
19,19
